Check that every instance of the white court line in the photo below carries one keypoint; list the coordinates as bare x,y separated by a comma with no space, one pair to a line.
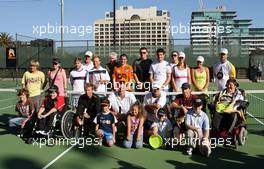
256,97
58,157
251,115
7,107
8,99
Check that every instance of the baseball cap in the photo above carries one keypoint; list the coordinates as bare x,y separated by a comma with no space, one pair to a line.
56,60
224,50
88,53
200,58
181,55
161,112
105,102
197,102
186,86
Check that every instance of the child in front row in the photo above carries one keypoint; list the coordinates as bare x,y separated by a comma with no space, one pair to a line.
105,124
162,126
135,123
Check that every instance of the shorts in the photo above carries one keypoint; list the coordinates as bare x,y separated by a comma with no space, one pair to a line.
107,135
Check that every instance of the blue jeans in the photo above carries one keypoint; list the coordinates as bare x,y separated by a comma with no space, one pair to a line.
15,122
133,141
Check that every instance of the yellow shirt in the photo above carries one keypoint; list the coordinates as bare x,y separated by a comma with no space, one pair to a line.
33,82
200,78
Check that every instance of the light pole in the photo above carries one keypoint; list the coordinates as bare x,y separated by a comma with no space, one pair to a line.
114,24
62,25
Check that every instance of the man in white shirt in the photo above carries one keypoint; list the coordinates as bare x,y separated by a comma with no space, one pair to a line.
223,70
153,101
98,75
77,80
88,65
160,71
121,102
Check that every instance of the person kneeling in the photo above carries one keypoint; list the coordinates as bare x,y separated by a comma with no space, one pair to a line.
197,125
52,103
135,123
105,124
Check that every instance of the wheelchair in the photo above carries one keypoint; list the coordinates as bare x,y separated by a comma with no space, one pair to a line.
239,132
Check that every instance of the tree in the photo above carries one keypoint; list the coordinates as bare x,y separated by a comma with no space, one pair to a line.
6,39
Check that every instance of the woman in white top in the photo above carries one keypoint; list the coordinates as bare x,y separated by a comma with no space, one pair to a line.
180,73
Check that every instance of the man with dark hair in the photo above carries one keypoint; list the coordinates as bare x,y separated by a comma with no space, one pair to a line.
141,67
160,70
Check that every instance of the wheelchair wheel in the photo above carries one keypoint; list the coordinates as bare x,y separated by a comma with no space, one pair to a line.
67,127
242,136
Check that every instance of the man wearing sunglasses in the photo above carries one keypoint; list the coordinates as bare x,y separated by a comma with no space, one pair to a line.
223,70
141,67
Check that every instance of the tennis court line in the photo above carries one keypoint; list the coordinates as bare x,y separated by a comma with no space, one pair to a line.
8,99
251,115
256,97
58,157
7,107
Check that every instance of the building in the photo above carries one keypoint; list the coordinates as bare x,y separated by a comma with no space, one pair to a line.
135,28
213,29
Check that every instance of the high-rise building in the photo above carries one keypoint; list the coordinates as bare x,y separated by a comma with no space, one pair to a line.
213,29
135,28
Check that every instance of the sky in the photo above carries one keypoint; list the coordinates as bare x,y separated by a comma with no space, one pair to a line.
26,16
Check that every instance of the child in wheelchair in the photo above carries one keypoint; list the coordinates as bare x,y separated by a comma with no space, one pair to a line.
26,110
228,111
51,105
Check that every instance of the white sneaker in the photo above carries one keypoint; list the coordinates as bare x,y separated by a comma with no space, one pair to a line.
189,151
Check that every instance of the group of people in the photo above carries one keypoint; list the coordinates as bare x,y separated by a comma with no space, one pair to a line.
138,117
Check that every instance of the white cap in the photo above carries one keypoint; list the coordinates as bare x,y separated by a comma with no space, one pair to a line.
181,55
200,58
224,50
156,86
88,53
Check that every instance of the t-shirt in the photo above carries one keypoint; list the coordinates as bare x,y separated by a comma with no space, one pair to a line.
110,68
160,71
123,73
186,102
49,103
78,79
181,76
141,69
149,99
33,82
164,128
105,121
88,67
227,70
121,105
25,110
197,120
95,75
59,81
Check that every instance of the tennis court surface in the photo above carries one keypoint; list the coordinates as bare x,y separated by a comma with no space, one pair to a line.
15,154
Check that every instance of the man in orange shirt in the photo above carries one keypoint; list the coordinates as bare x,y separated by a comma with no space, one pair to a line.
123,73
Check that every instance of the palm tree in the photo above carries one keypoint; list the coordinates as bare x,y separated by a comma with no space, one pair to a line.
6,39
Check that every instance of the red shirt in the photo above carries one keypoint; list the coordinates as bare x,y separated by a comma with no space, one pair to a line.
57,103
186,102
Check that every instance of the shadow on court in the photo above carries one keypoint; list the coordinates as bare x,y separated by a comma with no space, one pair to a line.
4,126
226,158
20,162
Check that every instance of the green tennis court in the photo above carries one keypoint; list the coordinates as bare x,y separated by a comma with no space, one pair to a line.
16,154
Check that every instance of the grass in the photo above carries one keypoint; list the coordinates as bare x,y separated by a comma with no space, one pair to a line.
16,154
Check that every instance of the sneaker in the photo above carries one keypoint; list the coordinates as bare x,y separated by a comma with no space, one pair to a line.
189,151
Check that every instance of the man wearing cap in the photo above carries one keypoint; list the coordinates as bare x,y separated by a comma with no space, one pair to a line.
160,70
182,104
88,61
153,101
197,125
223,70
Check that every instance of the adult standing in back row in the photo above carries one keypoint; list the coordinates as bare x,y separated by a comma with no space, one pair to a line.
33,80
223,70
160,70
57,76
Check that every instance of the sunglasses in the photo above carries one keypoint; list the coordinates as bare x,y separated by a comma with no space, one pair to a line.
174,55
54,63
143,52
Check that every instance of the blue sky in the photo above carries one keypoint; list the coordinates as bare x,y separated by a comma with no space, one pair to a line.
21,16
